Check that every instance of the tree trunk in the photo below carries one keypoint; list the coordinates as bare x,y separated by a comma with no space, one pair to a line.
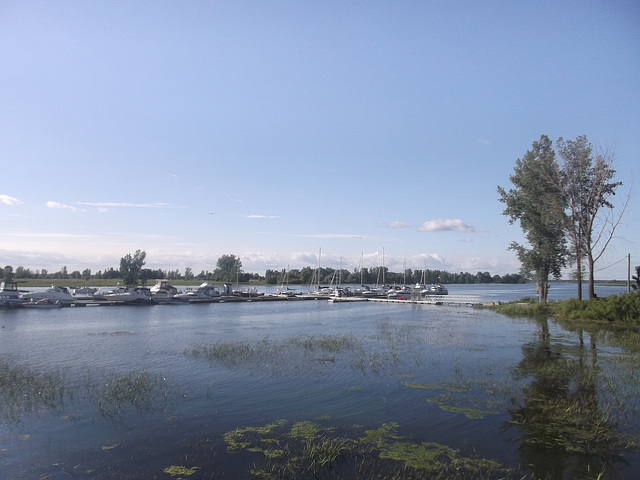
592,291
579,278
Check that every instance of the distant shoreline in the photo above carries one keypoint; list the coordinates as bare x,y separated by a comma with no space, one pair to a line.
74,282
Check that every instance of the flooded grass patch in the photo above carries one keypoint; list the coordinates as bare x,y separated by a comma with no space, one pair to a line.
25,390
310,450
29,391
141,391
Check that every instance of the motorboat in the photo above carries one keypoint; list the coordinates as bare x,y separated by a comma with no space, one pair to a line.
247,292
204,293
377,291
435,289
61,294
43,303
163,291
83,293
400,292
10,296
134,295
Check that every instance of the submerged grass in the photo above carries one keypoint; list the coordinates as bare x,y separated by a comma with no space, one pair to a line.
141,391
25,390
314,451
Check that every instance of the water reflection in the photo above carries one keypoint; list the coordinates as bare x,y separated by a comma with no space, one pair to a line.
567,425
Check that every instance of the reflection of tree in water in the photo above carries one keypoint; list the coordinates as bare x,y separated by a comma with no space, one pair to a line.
565,432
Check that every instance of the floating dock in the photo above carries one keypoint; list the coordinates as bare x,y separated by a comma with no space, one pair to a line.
469,300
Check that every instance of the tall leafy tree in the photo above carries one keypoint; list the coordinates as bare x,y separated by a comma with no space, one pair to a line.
8,273
228,268
131,266
536,202
587,185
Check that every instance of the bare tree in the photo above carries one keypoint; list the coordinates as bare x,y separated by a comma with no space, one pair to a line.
587,187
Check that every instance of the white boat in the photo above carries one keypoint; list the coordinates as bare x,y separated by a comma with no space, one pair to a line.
376,291
10,296
43,303
163,291
435,289
204,293
83,293
55,293
400,292
138,295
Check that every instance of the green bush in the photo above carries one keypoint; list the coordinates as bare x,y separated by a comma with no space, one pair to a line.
614,308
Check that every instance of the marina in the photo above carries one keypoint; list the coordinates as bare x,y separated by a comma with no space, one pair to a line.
163,293
217,388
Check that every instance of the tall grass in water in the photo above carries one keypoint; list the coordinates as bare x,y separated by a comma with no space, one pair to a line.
24,390
141,391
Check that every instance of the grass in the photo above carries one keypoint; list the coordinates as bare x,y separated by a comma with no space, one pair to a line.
623,308
141,391
310,450
26,390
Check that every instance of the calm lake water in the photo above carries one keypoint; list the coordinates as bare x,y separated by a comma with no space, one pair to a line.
132,392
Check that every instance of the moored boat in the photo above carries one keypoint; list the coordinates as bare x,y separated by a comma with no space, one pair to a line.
133,295
204,293
56,293
163,291
43,303
435,289
10,296
83,293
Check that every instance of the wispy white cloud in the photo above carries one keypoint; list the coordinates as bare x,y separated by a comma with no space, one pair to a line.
128,205
48,235
7,200
330,235
395,224
61,206
446,225
261,216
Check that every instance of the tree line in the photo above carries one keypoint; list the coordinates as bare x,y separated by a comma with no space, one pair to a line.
562,198
229,270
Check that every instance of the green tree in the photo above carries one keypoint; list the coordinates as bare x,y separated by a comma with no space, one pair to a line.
228,268
86,274
536,202
131,266
8,273
188,274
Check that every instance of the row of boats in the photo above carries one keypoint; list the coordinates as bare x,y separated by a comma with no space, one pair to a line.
165,293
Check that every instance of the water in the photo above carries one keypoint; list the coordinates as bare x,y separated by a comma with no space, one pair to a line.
443,374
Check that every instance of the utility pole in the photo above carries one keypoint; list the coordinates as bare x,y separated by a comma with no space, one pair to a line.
628,273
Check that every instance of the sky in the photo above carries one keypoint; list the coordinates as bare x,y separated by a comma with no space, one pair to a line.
296,133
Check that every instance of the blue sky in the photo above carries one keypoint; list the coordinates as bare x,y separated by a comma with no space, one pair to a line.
275,129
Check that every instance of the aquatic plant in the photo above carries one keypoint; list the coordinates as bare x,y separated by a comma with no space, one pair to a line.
313,451
141,390
180,470
25,390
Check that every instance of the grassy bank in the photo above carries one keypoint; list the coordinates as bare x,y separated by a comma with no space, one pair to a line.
624,308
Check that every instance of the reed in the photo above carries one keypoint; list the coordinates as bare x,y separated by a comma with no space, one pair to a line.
142,391
313,451
25,390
